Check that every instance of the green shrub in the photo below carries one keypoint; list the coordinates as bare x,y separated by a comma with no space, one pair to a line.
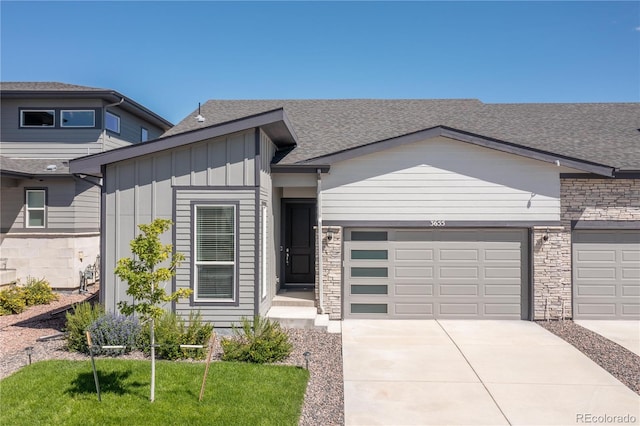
258,342
171,331
84,314
12,300
114,330
38,292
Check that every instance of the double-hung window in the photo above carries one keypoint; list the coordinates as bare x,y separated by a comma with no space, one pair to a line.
215,253
35,208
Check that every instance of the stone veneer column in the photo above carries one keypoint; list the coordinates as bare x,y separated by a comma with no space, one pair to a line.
331,272
551,273
584,200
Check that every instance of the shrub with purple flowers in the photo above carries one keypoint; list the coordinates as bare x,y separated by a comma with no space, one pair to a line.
114,330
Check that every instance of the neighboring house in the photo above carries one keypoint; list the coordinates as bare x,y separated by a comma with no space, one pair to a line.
421,208
50,218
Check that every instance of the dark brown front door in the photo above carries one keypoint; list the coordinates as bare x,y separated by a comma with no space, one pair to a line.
299,249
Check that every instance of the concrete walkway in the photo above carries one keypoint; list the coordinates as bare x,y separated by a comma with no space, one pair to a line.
624,333
459,372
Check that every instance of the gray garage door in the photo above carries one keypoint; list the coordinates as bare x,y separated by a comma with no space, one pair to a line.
417,273
606,274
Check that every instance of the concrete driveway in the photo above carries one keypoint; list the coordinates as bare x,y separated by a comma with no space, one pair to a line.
624,333
459,372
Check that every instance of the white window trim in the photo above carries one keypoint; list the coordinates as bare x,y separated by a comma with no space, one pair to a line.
117,117
197,263
52,111
264,275
62,111
28,209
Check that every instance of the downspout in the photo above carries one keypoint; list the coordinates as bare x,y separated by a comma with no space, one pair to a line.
319,239
104,120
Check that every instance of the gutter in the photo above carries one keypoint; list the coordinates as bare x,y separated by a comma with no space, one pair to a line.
319,240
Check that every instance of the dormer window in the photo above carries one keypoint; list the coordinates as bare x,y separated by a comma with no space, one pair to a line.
77,118
37,118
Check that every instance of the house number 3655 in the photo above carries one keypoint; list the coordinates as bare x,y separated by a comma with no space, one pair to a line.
438,223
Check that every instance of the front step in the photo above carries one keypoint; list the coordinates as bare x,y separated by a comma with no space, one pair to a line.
294,316
294,298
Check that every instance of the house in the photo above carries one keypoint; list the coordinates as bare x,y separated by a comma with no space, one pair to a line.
50,218
388,208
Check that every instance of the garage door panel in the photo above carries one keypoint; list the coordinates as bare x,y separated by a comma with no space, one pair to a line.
414,309
606,274
501,290
413,272
631,291
418,289
413,254
440,274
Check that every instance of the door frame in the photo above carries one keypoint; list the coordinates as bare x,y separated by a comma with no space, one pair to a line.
283,240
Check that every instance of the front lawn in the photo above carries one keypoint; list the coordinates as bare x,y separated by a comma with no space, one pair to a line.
63,393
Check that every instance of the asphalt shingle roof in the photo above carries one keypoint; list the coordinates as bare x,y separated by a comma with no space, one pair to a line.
34,166
603,133
40,86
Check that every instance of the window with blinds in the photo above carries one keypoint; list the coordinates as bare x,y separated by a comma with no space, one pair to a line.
215,253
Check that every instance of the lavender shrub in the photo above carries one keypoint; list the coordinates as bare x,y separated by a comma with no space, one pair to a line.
114,330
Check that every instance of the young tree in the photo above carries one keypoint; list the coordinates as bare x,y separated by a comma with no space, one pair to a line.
144,276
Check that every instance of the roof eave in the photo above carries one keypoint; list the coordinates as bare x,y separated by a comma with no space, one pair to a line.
274,123
111,96
463,136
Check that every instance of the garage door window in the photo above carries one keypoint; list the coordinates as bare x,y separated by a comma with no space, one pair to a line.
369,289
357,272
369,255
369,236
368,308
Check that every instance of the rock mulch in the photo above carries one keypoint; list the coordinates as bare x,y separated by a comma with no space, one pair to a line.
323,403
620,362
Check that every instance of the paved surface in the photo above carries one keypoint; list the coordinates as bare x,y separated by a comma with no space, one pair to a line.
624,333
459,372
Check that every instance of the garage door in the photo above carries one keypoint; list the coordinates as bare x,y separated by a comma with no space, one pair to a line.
606,274
409,273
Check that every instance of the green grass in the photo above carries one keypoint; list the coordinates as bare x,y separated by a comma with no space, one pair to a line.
63,393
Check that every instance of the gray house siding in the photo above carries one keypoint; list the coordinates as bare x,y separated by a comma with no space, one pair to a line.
142,189
130,130
268,248
223,314
64,213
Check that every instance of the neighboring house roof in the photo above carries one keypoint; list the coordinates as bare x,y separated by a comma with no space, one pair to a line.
32,167
64,90
597,133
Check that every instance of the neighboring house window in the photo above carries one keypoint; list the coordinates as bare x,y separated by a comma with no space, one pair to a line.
77,118
144,134
37,118
112,122
36,208
215,253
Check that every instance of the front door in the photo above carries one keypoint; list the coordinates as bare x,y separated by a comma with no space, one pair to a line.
299,249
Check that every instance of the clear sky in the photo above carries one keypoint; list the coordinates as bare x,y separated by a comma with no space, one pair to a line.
171,55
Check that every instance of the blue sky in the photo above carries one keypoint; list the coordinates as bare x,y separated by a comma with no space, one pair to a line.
171,55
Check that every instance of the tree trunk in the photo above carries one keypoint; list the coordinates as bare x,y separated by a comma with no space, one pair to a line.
153,362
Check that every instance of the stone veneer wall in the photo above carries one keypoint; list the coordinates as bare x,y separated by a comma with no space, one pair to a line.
331,272
52,257
580,199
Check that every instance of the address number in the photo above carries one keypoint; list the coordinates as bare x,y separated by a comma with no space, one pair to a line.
438,223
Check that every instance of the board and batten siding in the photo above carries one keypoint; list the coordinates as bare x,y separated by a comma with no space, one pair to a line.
71,206
441,179
220,315
137,191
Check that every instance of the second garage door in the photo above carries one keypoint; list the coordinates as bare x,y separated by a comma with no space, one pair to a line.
417,273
